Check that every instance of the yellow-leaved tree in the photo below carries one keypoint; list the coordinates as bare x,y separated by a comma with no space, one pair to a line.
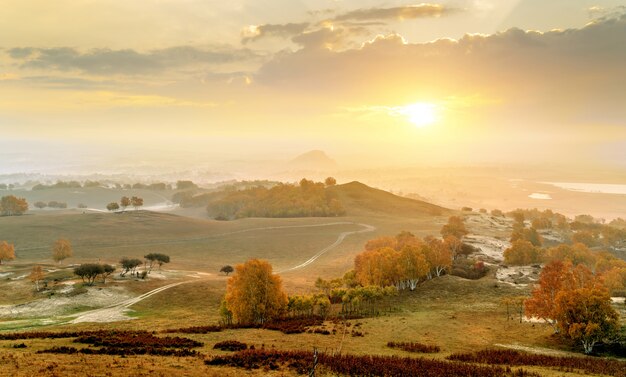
61,250
254,295
7,251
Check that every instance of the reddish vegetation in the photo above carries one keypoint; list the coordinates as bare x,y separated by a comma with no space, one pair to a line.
414,347
123,351
135,340
230,345
564,364
350,365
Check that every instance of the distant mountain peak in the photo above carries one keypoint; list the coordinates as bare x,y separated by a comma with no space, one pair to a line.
315,160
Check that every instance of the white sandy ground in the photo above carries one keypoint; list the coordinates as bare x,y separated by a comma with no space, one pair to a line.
490,247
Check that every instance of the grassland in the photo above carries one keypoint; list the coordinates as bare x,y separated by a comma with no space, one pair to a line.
456,314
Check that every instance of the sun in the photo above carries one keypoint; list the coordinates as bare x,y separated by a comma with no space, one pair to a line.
421,114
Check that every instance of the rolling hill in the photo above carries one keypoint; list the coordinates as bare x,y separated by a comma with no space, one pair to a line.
359,199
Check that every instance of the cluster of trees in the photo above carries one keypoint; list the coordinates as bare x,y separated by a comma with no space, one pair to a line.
576,302
157,186
308,198
156,258
11,205
7,251
50,204
88,272
126,202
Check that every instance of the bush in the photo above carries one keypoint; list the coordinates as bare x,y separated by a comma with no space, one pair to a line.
414,347
230,345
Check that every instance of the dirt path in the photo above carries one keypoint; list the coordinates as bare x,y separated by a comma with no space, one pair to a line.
342,236
117,312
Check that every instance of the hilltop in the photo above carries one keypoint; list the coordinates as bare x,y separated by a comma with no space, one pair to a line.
360,199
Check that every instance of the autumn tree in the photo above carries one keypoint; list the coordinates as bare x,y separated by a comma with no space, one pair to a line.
227,269
438,255
542,303
413,266
41,205
36,275
11,205
455,245
380,242
454,227
62,249
113,206
586,316
136,202
7,251
254,294
330,181
522,253
125,202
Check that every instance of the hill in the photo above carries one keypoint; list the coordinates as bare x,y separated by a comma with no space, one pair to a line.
360,199
313,161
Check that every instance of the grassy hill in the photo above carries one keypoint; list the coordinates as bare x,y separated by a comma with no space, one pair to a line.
360,199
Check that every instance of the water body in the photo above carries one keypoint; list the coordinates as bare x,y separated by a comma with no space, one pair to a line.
540,196
599,188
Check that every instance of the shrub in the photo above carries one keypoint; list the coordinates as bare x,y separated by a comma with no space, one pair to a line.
414,347
230,345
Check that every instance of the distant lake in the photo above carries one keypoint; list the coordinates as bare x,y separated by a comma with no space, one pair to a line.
602,188
540,196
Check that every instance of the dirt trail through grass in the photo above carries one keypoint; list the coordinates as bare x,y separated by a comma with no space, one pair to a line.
117,312
342,236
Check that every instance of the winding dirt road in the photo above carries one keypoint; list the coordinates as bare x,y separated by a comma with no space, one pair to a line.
117,312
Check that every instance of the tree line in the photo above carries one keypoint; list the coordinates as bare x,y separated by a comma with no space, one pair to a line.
305,199
124,203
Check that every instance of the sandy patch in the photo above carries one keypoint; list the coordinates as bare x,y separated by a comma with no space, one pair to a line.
491,249
519,276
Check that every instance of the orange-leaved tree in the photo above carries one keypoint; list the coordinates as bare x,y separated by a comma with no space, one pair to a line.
586,316
454,227
62,249
36,275
542,304
254,294
7,251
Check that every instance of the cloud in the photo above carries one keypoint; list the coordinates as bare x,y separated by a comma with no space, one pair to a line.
128,61
575,75
407,12
252,33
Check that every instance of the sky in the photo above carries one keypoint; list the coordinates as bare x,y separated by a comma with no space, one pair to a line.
370,82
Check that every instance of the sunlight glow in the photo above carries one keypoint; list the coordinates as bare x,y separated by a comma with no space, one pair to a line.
421,114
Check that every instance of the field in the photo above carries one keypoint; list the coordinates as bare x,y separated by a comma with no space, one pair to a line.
455,314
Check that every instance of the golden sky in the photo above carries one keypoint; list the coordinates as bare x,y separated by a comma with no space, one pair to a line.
405,82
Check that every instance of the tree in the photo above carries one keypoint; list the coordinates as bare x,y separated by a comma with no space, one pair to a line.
438,255
129,265
542,303
7,251
185,185
136,202
158,258
414,266
89,271
227,269
124,202
254,294
62,249
11,205
113,206
36,275
330,181
455,245
107,270
454,227
41,205
522,253
586,315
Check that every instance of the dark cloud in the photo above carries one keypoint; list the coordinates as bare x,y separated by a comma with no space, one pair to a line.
395,13
254,33
127,62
